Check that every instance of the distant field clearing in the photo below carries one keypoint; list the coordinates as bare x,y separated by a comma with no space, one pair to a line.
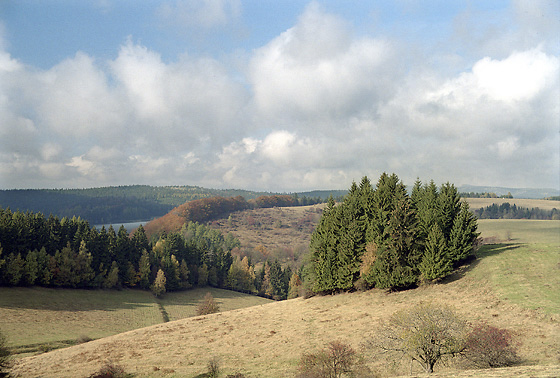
477,203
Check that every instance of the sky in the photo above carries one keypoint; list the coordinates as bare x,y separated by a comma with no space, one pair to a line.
279,96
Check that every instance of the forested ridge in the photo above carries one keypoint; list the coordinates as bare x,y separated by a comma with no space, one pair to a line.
122,203
68,252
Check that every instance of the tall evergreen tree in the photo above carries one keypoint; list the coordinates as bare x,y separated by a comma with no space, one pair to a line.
435,262
463,235
448,204
144,270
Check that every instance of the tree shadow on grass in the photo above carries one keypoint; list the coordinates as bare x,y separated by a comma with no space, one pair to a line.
485,250
75,300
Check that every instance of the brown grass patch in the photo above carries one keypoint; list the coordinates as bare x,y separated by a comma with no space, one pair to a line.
267,340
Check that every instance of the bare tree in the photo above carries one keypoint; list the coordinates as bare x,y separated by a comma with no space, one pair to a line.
427,333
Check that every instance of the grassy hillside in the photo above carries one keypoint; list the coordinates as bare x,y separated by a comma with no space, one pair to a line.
42,318
284,232
267,340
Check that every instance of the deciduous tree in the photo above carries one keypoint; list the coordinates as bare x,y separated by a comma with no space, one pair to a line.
427,333
158,287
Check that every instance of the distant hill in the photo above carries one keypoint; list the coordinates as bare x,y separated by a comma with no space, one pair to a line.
531,193
111,204
131,203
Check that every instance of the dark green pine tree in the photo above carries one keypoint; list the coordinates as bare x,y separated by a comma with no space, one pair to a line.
124,254
140,241
435,261
323,250
463,235
144,270
424,201
398,255
350,248
383,205
448,205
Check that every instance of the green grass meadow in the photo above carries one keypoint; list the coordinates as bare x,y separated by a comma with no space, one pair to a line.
522,262
43,318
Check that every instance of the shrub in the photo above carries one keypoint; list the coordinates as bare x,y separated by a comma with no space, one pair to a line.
83,339
207,306
213,368
4,357
490,347
110,370
334,361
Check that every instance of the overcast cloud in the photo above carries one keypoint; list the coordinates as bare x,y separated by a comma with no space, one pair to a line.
317,106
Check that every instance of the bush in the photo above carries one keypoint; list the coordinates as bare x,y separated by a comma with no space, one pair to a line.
4,357
83,339
490,347
334,361
213,368
207,306
110,370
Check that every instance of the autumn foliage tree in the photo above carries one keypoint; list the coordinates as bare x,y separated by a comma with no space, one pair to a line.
158,287
207,305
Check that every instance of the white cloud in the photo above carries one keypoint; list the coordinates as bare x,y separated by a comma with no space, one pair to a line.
74,99
318,107
318,70
519,77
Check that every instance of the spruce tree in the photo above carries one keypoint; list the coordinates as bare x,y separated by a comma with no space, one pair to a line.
463,235
448,204
144,270
435,261
323,244
31,269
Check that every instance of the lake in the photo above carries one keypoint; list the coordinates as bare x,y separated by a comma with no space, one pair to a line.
130,226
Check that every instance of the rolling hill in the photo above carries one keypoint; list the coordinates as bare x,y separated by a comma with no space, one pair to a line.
267,340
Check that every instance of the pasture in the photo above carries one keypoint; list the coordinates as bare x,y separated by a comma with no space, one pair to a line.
42,318
522,261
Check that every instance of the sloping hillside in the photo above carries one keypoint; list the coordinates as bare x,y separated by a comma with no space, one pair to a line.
279,232
267,340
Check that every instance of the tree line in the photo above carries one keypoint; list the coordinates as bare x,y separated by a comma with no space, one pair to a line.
508,211
382,237
484,195
68,252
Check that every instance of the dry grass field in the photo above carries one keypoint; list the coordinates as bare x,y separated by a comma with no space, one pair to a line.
477,203
284,232
267,340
